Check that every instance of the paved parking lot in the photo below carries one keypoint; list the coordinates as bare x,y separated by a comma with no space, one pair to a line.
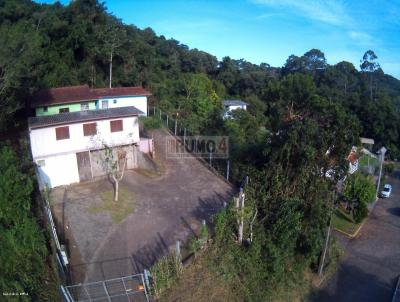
168,207
372,264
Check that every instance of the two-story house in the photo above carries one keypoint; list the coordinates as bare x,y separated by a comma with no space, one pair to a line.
73,125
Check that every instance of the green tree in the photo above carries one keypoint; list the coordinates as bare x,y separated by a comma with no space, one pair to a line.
23,253
359,191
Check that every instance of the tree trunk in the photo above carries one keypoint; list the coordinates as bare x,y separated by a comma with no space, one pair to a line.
111,58
116,190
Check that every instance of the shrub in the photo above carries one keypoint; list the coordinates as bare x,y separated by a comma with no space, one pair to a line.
150,123
389,168
360,212
165,273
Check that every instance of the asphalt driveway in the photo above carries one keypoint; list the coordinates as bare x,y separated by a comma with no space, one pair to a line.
168,208
371,266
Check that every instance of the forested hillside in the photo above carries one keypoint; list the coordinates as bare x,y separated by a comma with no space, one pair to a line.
53,45
296,113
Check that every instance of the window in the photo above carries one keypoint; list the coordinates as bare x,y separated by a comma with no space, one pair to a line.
104,104
41,163
63,110
89,129
115,101
84,106
116,126
45,109
62,133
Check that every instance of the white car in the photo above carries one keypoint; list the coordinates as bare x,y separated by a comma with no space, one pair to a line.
387,190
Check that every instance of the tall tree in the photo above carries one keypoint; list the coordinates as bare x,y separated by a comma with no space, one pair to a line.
370,65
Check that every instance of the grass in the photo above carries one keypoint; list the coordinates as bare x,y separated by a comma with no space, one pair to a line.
363,161
200,284
118,210
344,222
148,173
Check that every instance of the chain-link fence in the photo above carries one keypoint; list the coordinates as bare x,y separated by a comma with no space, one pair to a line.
221,167
129,288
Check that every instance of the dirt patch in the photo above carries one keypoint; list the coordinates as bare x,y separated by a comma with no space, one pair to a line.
118,210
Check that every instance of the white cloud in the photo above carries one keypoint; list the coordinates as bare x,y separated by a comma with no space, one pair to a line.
266,16
360,36
328,11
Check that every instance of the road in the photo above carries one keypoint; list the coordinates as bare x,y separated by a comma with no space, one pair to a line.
371,265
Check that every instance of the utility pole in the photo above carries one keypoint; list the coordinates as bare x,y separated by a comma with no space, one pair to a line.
381,152
328,234
211,149
241,213
111,58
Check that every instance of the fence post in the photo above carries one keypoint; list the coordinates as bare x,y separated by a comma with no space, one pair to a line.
184,137
154,110
176,121
66,295
227,170
178,249
160,114
146,278
167,120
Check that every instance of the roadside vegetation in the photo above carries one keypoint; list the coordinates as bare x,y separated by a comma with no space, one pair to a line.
26,259
352,206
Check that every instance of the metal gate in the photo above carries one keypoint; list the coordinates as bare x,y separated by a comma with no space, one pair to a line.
128,289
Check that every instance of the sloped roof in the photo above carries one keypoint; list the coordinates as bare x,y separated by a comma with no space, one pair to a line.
76,94
81,116
352,157
368,141
234,103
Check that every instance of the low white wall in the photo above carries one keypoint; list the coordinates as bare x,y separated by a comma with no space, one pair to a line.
58,170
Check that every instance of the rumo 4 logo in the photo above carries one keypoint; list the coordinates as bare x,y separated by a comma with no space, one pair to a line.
199,146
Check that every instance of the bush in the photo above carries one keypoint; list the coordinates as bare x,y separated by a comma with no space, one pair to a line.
150,123
23,253
165,273
389,168
359,188
360,212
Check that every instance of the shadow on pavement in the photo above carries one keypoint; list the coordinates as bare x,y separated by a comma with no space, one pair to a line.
353,285
394,211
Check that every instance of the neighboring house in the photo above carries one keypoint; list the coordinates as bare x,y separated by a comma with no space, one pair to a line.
69,147
82,98
367,142
230,105
353,160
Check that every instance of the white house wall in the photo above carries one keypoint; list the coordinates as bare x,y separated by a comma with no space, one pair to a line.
244,107
140,102
58,170
44,143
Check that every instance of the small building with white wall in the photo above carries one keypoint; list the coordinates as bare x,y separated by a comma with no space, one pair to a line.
231,105
69,147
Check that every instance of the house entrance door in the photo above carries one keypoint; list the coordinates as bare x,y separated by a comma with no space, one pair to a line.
84,169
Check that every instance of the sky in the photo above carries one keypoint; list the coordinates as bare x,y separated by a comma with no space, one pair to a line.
270,31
